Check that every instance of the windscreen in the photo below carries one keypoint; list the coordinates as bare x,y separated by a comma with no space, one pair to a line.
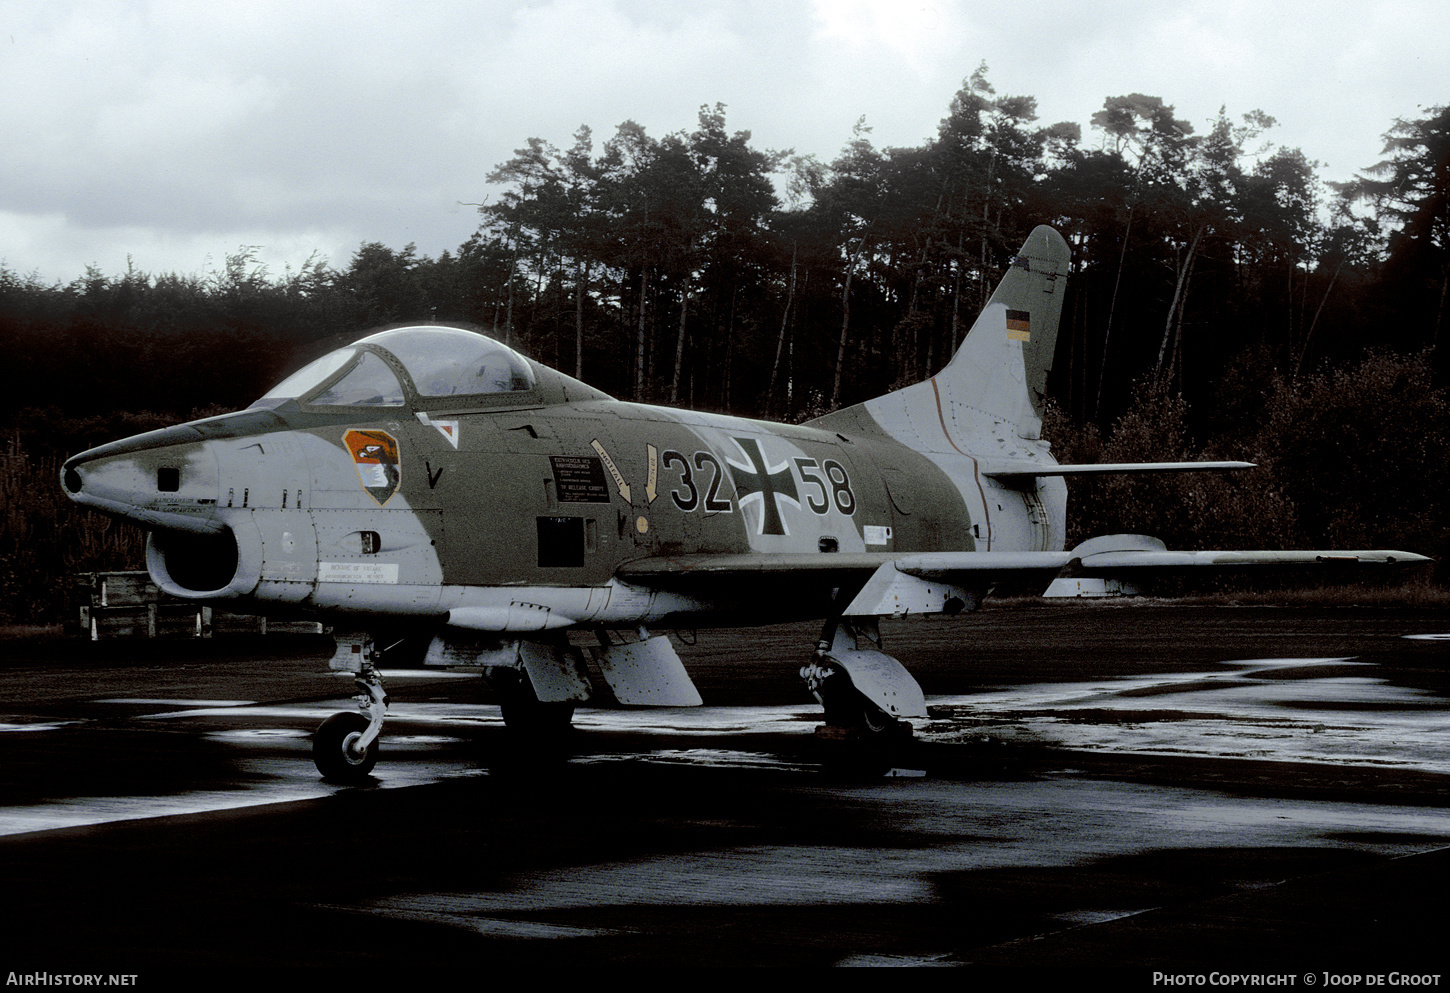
307,378
447,362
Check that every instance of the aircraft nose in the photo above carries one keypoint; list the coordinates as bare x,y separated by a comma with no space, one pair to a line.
70,478
161,479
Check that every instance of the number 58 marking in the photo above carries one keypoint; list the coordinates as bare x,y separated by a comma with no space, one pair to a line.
839,489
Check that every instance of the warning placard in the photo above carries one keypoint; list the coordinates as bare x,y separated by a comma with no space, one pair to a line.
579,479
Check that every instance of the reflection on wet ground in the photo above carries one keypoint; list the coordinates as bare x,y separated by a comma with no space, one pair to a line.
960,827
1322,710
1315,710
1023,817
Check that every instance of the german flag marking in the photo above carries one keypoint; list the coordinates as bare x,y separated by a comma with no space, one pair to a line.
1018,325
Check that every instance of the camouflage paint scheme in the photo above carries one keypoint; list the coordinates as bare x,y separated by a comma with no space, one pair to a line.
540,504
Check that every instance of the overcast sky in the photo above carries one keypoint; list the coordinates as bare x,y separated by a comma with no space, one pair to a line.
176,131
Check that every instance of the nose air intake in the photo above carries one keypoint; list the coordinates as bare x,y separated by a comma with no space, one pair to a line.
193,566
167,481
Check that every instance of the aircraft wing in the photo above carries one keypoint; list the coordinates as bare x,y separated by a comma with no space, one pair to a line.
684,571
886,583
893,583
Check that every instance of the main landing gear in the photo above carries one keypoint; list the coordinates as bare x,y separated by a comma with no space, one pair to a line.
864,692
527,716
345,746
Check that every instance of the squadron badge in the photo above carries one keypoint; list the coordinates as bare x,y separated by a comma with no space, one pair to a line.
375,453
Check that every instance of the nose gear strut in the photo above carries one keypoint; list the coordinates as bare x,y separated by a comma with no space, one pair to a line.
345,746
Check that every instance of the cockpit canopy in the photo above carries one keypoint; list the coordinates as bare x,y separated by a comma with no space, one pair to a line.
402,365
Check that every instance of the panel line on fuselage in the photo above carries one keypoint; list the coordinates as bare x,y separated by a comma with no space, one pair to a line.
976,469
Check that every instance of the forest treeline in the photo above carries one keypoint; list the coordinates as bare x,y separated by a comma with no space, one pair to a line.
1223,301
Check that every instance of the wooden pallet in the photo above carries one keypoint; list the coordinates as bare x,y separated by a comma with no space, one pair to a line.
129,605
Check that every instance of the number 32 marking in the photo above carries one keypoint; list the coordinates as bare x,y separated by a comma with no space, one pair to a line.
689,499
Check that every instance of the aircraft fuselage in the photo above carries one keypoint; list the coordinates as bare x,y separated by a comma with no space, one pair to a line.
529,508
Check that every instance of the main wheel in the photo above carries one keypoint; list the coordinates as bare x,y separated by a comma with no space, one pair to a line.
846,707
874,720
334,752
526,715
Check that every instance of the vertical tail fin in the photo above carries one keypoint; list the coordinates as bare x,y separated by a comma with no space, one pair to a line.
991,392
1028,301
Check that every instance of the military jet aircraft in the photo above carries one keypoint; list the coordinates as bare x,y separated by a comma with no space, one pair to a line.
430,476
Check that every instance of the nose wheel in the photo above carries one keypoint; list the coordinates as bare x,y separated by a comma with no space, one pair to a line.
338,751
345,746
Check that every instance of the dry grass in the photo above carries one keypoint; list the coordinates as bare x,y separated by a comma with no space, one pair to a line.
45,540
32,632
1418,593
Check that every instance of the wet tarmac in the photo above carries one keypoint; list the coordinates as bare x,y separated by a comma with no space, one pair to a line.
1142,788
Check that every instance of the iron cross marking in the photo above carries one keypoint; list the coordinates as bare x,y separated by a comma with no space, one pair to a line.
768,485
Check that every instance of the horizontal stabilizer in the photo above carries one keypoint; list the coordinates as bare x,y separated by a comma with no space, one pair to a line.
997,469
1125,554
1120,561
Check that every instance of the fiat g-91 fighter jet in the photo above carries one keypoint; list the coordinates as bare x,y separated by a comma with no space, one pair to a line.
432,478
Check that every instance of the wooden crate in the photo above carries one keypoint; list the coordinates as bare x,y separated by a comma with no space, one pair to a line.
129,605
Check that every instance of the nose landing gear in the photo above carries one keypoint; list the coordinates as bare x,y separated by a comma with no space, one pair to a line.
345,746
338,750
